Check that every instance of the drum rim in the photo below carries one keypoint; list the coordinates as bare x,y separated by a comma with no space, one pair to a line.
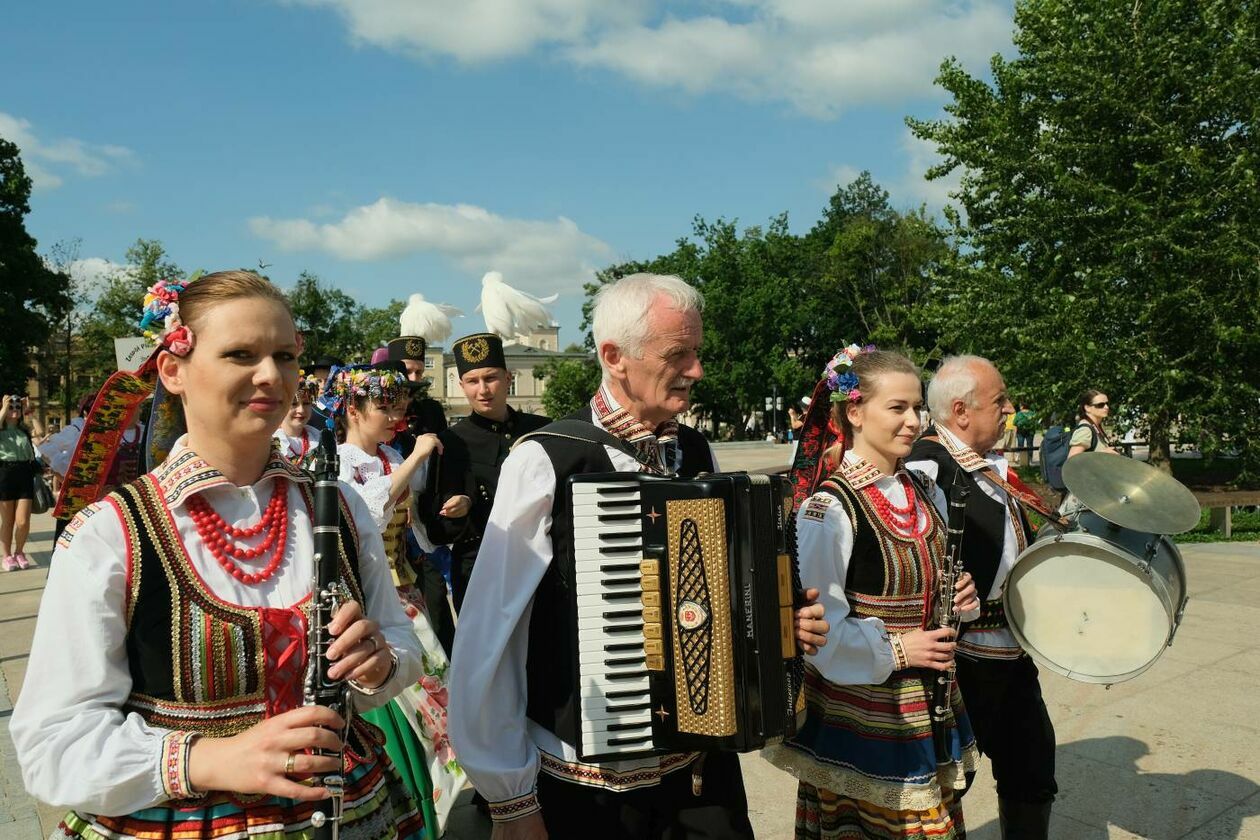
1171,607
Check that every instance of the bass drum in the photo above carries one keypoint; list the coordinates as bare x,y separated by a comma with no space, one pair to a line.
1098,603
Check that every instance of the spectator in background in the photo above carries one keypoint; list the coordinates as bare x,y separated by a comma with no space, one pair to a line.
1092,410
1008,433
18,469
1025,432
794,422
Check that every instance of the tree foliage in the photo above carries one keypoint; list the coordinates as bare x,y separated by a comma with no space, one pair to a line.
778,305
328,318
1110,191
570,383
32,295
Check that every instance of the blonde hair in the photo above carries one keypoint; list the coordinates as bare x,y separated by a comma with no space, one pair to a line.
869,368
210,290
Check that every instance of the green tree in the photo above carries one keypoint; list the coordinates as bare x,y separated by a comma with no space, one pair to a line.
1110,191
32,295
379,324
115,313
329,320
570,383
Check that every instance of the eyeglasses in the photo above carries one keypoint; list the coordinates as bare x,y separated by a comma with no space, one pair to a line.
1099,405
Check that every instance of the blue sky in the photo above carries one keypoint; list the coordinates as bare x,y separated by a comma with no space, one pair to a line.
393,146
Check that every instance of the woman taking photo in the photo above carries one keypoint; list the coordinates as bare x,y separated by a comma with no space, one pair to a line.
872,541
172,635
18,468
1092,410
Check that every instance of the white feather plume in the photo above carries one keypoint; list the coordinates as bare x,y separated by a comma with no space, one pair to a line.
510,312
432,321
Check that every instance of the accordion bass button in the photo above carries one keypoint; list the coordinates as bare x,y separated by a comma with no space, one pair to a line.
651,615
653,647
650,567
651,599
650,583
656,663
652,631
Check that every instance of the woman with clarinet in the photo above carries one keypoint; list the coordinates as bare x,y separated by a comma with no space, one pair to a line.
173,636
871,760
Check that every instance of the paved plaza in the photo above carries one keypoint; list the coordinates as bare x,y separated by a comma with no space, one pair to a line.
1171,754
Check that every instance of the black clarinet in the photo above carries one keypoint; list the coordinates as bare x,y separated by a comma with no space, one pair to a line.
328,593
946,615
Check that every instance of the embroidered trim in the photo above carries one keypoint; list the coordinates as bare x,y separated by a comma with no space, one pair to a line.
859,472
186,473
513,809
595,775
175,748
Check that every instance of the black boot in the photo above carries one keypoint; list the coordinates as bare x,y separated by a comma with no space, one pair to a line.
1024,820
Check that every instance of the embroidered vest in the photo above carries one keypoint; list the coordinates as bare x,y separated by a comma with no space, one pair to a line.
198,663
890,577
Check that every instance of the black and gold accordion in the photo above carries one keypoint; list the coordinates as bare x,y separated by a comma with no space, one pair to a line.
684,599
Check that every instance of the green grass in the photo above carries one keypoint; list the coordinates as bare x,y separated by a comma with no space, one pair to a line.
1246,528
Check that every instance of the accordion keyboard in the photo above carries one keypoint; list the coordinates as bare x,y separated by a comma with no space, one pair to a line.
615,705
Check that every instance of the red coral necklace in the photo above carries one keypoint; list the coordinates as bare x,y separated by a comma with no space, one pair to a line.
220,537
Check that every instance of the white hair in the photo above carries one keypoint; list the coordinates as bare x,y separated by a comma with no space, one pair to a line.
955,379
620,314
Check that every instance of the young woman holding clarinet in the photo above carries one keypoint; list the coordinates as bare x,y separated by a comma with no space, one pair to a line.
167,694
871,760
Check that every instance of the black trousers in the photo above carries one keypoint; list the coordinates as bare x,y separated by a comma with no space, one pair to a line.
1012,726
668,811
463,555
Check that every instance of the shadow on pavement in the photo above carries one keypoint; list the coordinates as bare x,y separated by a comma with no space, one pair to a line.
1102,786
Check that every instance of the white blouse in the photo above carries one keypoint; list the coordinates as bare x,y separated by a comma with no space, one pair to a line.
300,446
366,475
76,746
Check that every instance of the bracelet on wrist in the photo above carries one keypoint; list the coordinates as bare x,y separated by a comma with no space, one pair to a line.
376,689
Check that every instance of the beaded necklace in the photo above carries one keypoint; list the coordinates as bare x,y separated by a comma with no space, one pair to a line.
220,537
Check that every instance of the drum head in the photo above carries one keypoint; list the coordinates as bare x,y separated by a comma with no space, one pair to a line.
1082,608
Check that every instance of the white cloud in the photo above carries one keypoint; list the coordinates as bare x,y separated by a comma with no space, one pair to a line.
821,56
46,161
536,255
913,187
839,175
94,271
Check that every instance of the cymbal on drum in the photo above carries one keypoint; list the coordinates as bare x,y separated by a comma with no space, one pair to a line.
1131,494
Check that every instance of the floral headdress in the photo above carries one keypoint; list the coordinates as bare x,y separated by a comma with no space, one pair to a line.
841,380
160,320
358,381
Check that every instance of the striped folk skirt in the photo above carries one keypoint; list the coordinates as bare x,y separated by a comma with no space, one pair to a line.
867,762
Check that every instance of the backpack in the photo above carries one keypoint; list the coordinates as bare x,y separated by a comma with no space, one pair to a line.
1054,452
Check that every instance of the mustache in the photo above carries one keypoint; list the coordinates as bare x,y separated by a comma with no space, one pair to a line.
683,382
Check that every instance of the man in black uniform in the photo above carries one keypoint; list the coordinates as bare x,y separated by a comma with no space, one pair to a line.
465,475
997,678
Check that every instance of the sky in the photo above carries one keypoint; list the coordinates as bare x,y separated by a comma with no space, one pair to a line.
399,146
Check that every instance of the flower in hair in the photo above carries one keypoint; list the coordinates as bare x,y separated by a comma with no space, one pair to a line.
841,380
359,382
160,317
179,341
308,387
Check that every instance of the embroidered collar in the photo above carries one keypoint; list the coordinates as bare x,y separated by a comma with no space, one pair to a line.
967,458
859,472
185,473
494,425
657,448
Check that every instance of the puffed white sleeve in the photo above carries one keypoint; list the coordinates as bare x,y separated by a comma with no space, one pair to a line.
59,448
858,651
370,483
382,606
76,746
487,677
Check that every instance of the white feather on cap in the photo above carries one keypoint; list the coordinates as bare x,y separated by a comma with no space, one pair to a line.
510,312
430,321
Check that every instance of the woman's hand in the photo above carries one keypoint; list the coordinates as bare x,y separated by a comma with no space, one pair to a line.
425,446
360,652
965,597
456,507
269,756
929,648
811,626
526,828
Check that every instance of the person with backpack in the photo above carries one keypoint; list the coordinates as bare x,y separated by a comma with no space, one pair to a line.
1088,435
1025,431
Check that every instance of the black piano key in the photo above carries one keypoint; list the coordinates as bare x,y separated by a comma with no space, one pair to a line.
617,504
620,695
627,660
625,742
622,596
623,614
632,707
622,727
622,549
619,517
628,675
623,646
624,581
625,628
609,568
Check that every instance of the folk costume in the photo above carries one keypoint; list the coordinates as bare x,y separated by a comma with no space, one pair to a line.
873,544
513,666
415,723
172,638
299,449
998,679
473,452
